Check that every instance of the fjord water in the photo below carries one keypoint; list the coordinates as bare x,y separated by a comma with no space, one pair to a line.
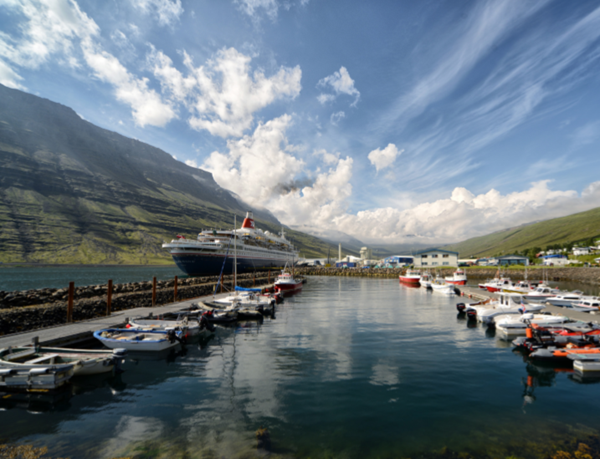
350,367
32,277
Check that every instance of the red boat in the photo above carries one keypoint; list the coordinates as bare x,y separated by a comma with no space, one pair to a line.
459,277
410,277
286,283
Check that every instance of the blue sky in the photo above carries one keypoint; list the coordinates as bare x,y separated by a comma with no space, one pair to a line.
428,121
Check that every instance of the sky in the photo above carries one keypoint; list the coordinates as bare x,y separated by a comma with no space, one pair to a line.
392,121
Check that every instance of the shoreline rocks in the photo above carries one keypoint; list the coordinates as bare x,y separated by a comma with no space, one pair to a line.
31,309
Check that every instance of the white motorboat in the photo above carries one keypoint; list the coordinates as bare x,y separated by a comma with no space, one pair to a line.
566,299
438,285
426,280
506,304
541,294
513,326
84,361
138,340
586,305
497,285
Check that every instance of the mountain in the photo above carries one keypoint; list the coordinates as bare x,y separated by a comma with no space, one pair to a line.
558,231
71,192
350,245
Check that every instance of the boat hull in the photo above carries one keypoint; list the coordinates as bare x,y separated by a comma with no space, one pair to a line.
203,264
457,282
410,280
288,287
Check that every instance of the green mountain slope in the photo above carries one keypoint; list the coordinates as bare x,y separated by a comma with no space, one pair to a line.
558,231
71,192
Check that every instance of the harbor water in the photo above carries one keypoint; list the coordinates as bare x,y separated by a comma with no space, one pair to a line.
349,368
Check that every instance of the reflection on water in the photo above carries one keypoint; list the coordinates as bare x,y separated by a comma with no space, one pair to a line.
350,368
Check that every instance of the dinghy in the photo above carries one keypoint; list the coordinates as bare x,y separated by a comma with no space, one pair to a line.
84,361
139,340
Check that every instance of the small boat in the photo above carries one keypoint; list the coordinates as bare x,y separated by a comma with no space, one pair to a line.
566,299
513,326
459,277
585,363
426,280
411,276
217,313
440,286
563,355
84,361
497,285
188,327
287,283
46,377
587,305
540,294
139,340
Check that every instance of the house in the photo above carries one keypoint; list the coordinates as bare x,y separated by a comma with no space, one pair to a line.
555,260
487,262
507,260
435,258
581,251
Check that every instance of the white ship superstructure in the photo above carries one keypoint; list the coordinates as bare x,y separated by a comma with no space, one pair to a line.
256,249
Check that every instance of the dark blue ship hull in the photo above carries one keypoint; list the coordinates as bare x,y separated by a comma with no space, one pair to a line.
211,265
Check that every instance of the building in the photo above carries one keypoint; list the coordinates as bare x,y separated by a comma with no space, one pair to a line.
507,260
366,253
555,260
581,251
435,258
399,260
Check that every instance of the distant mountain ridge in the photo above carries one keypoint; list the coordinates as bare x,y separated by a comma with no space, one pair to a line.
71,192
572,228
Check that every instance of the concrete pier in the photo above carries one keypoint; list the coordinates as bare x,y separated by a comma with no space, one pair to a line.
67,335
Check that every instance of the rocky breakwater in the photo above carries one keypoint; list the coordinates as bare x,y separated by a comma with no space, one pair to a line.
32,309
583,275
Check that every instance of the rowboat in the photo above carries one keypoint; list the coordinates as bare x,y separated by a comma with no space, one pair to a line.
84,361
138,340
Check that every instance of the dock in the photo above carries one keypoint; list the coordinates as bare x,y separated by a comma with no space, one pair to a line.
71,334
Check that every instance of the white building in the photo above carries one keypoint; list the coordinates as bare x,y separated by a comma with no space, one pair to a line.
435,258
581,251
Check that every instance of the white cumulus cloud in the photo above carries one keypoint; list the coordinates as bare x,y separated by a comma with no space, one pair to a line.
60,29
341,83
464,215
167,12
384,158
262,169
224,94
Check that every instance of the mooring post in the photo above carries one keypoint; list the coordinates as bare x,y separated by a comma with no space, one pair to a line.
70,302
109,297
153,291
175,290
254,279
269,281
221,282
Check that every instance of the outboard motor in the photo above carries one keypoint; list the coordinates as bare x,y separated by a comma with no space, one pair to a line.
461,307
472,314
205,324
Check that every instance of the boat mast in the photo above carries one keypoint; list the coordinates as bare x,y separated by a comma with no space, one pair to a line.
234,252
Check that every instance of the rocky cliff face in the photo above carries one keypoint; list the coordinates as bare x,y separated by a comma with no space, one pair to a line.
71,192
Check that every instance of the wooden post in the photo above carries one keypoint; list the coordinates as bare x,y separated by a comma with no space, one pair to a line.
153,291
109,297
70,302
269,282
221,283
175,290
254,279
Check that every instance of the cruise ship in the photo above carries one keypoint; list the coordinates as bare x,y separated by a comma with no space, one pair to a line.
254,249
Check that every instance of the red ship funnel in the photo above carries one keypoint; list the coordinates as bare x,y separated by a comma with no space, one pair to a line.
248,221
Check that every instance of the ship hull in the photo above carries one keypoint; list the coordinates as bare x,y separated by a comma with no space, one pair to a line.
211,264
